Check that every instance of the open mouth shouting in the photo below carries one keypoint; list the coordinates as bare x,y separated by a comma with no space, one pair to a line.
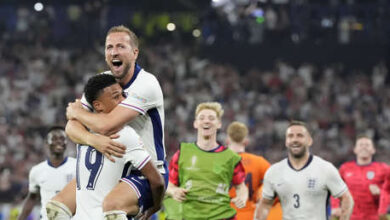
117,65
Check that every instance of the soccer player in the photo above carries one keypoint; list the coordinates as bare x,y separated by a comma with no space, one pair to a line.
303,181
143,110
201,172
255,167
97,175
50,176
364,178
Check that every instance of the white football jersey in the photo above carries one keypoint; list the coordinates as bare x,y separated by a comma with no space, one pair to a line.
96,176
303,193
144,95
48,180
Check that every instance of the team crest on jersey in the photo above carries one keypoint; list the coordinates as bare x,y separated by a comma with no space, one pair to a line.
370,175
311,183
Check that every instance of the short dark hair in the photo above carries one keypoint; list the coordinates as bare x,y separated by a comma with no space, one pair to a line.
55,127
96,84
300,123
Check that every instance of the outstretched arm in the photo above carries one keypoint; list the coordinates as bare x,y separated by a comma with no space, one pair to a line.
31,200
107,146
263,208
157,186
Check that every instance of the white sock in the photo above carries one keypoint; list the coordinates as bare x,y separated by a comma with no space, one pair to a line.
57,211
115,215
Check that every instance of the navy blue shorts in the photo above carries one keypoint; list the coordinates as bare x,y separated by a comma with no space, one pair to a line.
141,186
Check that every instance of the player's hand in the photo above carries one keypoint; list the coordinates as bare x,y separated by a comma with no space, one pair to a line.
239,202
179,194
374,189
73,107
336,212
108,147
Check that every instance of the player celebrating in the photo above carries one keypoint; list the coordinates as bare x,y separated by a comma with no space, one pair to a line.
201,172
364,179
143,110
255,167
48,177
97,175
302,181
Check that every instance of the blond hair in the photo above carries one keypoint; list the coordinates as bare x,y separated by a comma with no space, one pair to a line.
237,131
121,28
215,106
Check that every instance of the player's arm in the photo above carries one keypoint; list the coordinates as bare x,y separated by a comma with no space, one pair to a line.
107,146
173,190
241,195
238,179
156,185
384,199
177,193
263,208
346,205
31,200
101,123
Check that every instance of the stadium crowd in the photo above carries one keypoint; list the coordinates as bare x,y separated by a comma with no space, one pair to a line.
37,80
36,86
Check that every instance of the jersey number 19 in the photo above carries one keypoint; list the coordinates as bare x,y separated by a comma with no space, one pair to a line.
93,162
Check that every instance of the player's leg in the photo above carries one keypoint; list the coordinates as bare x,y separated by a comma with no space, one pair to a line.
123,197
64,203
57,211
132,196
121,201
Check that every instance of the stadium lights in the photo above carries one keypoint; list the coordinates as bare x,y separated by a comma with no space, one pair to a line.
196,33
171,26
38,6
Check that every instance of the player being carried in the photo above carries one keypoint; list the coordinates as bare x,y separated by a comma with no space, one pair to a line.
142,109
97,175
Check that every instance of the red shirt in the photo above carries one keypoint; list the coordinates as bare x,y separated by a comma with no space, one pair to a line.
238,175
358,178
385,195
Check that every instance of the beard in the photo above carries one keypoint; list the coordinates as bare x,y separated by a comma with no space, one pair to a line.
297,154
123,74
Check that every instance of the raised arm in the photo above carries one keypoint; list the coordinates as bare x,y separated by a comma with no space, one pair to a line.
346,205
262,209
102,123
107,146
31,200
